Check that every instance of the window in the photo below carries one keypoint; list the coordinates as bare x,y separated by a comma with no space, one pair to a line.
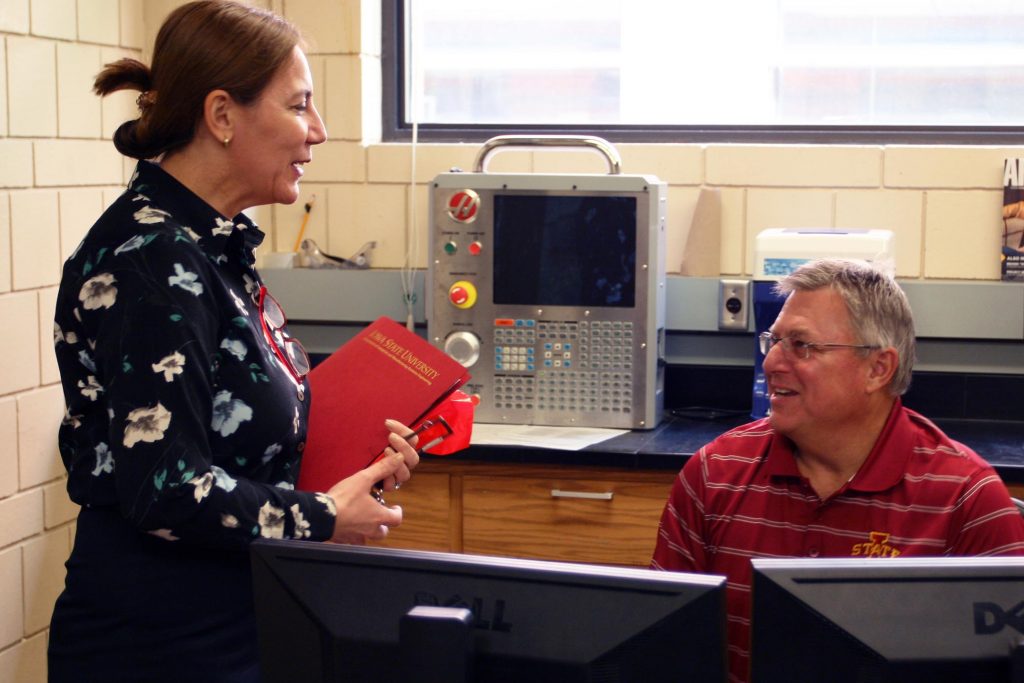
842,70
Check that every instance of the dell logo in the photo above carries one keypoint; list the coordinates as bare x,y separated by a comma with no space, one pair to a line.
990,618
483,619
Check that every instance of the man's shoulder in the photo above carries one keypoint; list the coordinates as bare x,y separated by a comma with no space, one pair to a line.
746,442
744,433
933,445
734,459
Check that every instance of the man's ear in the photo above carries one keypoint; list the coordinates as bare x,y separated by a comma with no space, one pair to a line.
219,115
881,368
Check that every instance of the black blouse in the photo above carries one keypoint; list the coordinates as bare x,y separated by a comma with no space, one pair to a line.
179,413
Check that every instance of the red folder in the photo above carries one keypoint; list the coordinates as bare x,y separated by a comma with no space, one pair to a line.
384,372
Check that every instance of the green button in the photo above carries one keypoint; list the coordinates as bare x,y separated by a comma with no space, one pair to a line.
450,247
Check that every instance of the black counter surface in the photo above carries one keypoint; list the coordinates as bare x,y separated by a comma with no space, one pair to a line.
682,433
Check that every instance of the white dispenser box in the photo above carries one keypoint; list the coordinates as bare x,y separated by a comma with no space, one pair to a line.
779,251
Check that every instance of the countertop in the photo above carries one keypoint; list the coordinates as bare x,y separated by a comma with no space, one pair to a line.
679,436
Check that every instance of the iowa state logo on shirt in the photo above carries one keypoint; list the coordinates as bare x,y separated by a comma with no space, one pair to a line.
876,546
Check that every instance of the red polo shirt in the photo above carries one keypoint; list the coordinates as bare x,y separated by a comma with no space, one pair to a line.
918,493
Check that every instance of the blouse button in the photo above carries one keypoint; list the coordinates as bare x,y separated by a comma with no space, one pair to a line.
300,391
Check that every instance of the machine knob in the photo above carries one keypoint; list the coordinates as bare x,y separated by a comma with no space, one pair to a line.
462,294
463,347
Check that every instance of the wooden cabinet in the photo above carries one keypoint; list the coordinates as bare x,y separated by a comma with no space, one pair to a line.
426,513
595,515
562,517
549,512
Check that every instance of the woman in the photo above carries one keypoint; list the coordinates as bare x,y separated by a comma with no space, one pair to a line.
186,398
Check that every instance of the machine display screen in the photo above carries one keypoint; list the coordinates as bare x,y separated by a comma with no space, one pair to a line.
554,250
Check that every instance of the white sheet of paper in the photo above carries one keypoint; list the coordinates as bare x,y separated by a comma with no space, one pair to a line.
537,436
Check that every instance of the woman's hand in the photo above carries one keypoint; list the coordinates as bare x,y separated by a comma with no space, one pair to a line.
360,517
397,444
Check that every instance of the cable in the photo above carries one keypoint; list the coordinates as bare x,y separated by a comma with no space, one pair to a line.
412,238
408,271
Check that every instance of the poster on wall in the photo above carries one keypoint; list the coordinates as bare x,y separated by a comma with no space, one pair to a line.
1012,256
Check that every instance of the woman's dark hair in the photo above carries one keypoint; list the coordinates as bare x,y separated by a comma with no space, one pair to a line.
201,46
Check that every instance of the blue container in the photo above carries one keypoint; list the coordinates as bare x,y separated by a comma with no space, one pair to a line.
766,309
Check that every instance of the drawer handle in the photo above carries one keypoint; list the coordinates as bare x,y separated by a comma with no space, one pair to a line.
558,493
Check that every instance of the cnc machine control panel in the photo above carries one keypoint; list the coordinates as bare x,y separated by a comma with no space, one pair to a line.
550,289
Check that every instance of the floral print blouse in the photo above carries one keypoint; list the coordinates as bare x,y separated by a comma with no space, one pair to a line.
178,412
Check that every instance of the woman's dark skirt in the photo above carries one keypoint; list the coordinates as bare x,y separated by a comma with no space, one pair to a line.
139,608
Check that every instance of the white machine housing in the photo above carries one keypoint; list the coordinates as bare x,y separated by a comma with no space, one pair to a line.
779,251
550,289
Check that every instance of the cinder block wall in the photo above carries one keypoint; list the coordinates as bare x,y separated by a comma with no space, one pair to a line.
57,173
942,202
58,170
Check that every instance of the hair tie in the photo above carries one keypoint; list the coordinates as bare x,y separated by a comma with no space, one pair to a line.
145,100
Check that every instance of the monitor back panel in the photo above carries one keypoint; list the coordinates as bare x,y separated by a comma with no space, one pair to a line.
886,620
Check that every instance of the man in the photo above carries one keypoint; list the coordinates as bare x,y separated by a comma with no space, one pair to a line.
840,468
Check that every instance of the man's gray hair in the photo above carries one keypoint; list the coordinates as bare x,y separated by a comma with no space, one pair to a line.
879,312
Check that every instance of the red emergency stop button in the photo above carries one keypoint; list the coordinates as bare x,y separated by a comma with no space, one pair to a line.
462,294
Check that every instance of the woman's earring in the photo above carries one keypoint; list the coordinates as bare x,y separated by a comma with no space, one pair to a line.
226,141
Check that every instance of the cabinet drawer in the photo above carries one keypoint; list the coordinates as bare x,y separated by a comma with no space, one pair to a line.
576,520
426,519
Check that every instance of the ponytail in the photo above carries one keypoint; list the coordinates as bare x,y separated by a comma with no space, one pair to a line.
131,138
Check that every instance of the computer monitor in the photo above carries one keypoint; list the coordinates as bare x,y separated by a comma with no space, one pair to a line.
913,619
328,613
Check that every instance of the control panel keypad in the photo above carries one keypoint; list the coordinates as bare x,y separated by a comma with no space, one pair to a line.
610,392
514,392
564,365
606,345
514,346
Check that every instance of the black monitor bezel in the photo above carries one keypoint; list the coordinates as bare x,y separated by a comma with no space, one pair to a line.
293,637
806,618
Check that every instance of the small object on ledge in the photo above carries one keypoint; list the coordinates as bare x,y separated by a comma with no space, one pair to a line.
305,220
310,256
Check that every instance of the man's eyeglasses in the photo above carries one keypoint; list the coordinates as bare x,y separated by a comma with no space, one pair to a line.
802,349
287,349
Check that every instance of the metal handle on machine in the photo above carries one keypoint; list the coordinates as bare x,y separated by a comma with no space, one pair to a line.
597,144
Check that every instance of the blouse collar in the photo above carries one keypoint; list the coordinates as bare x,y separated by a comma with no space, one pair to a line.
216,235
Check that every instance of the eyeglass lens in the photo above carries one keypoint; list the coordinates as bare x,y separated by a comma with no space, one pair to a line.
289,348
797,349
272,312
297,356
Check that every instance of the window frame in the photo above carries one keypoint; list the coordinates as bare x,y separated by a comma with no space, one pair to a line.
394,128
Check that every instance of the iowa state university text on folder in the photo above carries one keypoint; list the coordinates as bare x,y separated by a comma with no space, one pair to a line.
402,355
